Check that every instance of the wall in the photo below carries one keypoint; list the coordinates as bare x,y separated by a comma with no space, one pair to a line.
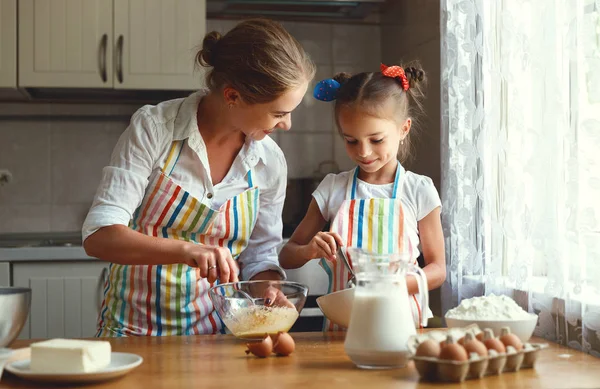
410,31
56,152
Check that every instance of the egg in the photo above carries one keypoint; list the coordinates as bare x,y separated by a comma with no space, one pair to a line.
472,345
284,344
261,349
428,348
492,343
453,351
509,339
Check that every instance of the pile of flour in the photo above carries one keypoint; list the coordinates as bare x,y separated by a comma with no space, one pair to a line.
490,307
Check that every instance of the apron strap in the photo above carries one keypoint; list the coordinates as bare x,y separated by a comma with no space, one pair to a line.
399,173
353,183
172,157
250,184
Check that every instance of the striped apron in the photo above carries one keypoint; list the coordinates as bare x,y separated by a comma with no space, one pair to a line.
372,224
173,299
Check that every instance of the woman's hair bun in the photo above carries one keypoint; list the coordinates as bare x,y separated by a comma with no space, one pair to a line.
207,55
342,77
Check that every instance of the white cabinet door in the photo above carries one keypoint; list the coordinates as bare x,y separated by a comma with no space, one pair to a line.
65,43
8,43
155,42
65,297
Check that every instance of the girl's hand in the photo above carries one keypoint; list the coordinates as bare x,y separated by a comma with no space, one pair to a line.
214,262
274,297
324,245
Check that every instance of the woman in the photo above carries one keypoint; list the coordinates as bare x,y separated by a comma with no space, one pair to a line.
195,187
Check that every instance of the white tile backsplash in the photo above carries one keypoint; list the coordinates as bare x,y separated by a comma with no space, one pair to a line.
24,218
79,152
68,217
304,152
25,152
56,151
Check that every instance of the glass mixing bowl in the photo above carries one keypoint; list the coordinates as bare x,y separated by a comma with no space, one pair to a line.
248,314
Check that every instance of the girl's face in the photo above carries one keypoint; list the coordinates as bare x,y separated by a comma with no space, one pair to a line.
259,120
371,142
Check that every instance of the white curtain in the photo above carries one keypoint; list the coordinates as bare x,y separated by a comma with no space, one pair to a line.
521,159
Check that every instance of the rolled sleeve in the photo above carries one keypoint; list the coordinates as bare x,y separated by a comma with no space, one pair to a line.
261,254
125,179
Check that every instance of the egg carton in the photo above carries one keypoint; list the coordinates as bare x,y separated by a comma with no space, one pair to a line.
435,369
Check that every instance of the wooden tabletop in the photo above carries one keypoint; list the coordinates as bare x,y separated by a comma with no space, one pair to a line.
319,362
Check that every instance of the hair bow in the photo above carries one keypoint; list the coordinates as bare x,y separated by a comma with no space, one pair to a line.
326,90
396,72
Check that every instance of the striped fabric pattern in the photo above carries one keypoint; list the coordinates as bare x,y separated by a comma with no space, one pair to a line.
372,224
173,299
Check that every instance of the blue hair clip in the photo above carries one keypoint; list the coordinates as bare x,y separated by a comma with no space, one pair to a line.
326,90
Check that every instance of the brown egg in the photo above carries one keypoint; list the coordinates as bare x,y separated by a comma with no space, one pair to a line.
453,351
492,343
284,344
509,339
428,348
479,336
472,345
261,349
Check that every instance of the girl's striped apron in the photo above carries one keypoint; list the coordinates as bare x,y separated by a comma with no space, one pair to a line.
173,299
372,224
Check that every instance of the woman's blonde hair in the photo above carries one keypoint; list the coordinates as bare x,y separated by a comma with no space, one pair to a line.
258,58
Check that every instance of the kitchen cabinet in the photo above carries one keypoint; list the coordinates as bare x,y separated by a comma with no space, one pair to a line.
4,274
65,297
65,43
156,42
8,43
114,44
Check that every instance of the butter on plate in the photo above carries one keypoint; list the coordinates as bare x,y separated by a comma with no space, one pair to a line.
69,356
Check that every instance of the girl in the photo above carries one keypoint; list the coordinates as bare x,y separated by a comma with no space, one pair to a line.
374,113
195,187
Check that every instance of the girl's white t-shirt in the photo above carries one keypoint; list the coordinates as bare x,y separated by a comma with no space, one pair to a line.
418,196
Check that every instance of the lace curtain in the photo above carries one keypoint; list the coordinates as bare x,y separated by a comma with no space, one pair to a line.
521,159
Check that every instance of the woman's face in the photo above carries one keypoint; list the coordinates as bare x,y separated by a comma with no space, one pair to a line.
259,120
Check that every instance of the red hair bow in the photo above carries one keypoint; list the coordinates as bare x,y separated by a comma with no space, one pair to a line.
396,72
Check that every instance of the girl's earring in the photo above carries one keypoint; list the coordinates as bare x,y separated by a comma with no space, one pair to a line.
402,142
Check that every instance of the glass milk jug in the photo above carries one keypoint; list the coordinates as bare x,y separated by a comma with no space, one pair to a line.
382,320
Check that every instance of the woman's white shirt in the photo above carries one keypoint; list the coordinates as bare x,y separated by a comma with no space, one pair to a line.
141,152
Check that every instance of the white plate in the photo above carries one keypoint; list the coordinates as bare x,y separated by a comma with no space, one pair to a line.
120,364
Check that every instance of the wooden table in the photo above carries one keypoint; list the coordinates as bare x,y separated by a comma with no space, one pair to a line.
319,362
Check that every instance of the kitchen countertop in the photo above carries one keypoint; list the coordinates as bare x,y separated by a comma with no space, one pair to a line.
319,361
42,246
62,253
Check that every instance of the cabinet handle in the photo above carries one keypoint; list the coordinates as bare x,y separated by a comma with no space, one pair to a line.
102,57
119,58
103,281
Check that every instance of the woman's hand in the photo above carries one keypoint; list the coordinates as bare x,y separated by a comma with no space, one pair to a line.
214,262
324,245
